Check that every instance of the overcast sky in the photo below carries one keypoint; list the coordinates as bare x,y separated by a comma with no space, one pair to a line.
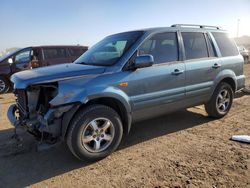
37,22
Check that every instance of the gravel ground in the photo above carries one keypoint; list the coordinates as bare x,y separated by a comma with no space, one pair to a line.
183,149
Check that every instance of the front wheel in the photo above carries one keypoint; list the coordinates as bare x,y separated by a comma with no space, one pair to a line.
4,85
94,133
221,101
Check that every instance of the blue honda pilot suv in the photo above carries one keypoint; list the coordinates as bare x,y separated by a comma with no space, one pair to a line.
127,77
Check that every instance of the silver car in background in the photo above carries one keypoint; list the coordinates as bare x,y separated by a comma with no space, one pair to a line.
245,53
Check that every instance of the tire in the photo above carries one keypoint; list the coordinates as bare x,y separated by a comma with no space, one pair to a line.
4,85
86,143
221,101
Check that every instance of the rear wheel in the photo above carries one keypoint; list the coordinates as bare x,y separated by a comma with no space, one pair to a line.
4,85
221,101
94,133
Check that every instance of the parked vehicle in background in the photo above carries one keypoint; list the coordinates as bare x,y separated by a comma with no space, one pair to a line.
127,77
34,57
245,53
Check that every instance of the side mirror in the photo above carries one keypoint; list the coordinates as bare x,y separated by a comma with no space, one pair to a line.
143,61
10,60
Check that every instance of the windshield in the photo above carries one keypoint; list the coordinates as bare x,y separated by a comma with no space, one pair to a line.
108,51
8,55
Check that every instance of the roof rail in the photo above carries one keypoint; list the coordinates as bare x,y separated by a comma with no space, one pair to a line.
194,25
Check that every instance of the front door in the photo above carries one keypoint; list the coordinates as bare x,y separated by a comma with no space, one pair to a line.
21,60
157,89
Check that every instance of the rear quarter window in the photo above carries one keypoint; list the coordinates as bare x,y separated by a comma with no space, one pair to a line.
226,45
54,53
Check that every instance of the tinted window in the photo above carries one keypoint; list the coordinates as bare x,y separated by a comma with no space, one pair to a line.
76,51
195,45
226,45
110,49
53,53
163,47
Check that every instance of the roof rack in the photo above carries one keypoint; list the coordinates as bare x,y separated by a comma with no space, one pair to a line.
194,25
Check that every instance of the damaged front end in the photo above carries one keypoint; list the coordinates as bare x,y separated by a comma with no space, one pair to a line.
34,113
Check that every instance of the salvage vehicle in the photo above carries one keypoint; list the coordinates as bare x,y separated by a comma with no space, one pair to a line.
127,77
34,57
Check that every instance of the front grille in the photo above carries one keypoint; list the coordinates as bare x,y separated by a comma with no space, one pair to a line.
21,100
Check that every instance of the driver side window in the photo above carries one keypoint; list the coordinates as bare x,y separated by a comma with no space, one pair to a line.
163,47
23,57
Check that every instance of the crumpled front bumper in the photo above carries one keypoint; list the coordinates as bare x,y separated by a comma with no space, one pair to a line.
45,120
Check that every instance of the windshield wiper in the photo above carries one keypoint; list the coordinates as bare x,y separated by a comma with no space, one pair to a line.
84,63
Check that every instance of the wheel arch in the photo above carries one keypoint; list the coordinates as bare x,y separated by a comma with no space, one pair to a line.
115,103
6,76
230,81
227,76
118,106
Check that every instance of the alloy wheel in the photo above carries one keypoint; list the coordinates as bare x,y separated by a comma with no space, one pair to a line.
98,135
223,101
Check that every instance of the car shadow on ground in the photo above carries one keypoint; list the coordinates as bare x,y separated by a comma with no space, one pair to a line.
152,128
21,165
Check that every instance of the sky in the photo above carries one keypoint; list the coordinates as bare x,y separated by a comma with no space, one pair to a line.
57,22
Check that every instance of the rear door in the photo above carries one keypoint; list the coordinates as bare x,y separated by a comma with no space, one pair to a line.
55,55
75,52
202,65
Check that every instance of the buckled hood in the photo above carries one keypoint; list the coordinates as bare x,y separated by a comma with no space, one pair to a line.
53,73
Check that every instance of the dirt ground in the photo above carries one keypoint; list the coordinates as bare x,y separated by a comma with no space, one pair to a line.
183,149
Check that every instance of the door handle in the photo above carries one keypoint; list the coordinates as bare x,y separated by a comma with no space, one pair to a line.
216,65
177,72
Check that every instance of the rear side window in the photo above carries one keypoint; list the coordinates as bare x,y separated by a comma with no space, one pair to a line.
76,51
226,45
54,53
195,45
163,47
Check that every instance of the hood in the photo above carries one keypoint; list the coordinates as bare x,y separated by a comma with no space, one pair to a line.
53,73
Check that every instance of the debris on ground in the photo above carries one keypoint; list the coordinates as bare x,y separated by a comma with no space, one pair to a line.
241,138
